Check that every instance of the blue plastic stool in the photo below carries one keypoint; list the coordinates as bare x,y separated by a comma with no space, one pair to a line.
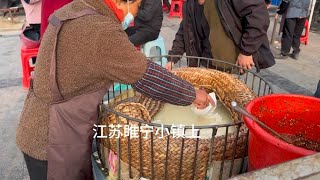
123,87
146,48
159,44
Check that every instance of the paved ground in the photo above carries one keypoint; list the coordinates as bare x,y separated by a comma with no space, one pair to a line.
9,26
11,101
287,76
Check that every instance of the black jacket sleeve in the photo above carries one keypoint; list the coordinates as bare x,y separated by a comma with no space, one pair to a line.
283,7
178,46
255,22
147,11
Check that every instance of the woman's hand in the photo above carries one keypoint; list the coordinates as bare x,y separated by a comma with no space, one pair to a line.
169,66
202,99
245,61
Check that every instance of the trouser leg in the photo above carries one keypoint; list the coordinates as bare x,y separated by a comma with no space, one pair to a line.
130,31
287,35
297,34
37,169
192,62
141,37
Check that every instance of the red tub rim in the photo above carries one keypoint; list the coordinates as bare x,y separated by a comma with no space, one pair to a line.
271,139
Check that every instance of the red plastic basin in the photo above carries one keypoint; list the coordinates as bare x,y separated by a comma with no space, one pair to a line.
286,114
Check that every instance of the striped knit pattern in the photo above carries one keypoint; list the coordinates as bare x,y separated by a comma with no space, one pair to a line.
160,84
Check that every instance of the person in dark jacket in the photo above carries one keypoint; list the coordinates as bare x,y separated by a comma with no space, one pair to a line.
192,37
295,13
238,32
147,24
245,24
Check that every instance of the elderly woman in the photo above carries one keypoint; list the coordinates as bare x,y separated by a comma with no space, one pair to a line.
83,51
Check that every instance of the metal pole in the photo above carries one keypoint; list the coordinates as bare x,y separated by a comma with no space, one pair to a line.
313,3
274,30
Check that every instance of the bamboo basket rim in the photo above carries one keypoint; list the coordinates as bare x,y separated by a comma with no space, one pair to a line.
218,61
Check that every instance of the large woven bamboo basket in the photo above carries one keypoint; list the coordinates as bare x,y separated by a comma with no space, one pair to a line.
179,158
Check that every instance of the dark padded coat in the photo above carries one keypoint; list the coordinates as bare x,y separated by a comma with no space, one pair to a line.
150,16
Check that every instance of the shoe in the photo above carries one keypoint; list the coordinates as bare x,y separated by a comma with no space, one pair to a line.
294,56
281,56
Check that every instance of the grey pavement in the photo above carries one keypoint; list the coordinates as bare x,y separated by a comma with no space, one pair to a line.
11,101
296,76
287,76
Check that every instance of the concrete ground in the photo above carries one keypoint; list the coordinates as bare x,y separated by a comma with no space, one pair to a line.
287,76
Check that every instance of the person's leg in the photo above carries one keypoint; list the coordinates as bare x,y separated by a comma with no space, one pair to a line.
287,36
142,37
296,36
37,169
130,31
192,62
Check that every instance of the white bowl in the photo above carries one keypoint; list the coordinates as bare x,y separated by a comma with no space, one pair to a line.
208,109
